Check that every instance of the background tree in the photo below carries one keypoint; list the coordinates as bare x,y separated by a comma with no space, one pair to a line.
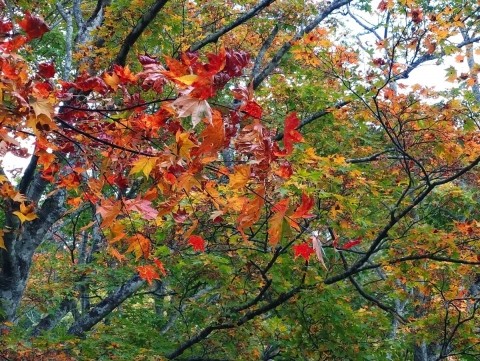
192,159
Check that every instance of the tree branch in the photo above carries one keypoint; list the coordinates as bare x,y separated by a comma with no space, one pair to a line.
133,36
106,306
212,38
286,47
226,325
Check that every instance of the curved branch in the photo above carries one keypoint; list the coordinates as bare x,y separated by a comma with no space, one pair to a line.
107,305
286,47
212,38
226,325
133,36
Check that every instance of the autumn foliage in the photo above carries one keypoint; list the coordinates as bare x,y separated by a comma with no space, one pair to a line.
265,190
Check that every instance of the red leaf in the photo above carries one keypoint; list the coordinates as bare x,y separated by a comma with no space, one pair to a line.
5,26
197,242
253,109
351,243
148,273
34,26
303,250
291,134
305,207
235,62
285,171
46,70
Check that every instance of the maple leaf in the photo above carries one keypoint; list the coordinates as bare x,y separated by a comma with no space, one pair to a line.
46,70
109,210
303,250
198,109
124,74
253,109
302,210
285,171
112,80
251,211
33,25
352,243
235,62
42,107
148,273
276,223
197,242
451,74
187,79
143,165
139,245
213,136
142,206
26,213
240,176
184,144
291,134
176,68
114,253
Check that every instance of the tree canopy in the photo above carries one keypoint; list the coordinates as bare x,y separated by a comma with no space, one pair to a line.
239,180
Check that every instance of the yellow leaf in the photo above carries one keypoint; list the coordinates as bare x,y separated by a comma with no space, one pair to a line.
112,80
144,165
240,177
42,106
26,213
184,144
187,79
2,242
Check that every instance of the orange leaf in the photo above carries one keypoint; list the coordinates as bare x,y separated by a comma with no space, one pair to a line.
213,136
276,222
139,245
109,210
26,213
111,80
114,253
184,145
251,211
240,176
148,273
302,210
160,266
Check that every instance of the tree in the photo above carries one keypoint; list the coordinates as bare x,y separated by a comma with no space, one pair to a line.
254,180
